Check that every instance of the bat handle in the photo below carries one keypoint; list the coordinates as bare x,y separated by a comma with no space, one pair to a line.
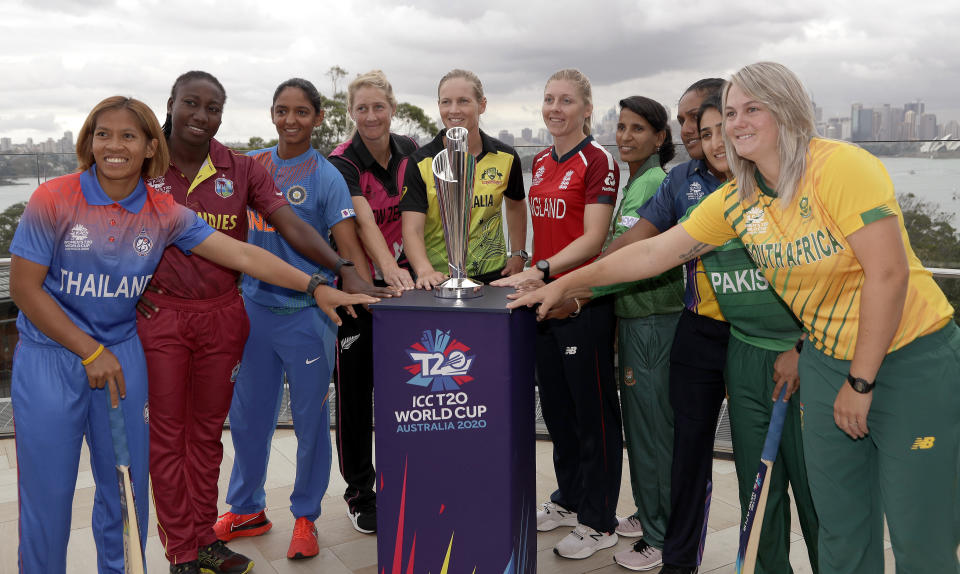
118,431
774,432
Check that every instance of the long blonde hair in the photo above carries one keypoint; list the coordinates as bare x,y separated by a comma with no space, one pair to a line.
580,80
783,94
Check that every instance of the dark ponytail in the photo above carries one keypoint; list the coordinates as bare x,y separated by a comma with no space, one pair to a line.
182,79
656,116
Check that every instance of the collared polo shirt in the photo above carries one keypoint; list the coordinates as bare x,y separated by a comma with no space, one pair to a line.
99,253
225,186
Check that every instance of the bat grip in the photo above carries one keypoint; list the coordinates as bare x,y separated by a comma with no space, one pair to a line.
775,431
118,430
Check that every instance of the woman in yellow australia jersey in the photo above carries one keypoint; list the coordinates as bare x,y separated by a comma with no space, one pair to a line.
498,182
881,422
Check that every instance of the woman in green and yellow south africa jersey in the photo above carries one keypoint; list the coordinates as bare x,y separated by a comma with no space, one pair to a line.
761,358
498,183
647,315
881,419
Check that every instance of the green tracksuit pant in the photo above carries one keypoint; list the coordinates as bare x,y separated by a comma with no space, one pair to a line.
907,468
749,375
644,362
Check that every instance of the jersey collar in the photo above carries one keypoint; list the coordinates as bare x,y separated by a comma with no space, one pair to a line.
553,150
95,195
652,162
763,184
366,158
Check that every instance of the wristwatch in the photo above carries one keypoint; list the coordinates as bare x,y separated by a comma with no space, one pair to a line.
341,262
316,280
520,253
860,385
544,266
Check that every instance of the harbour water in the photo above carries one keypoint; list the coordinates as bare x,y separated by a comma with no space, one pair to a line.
933,180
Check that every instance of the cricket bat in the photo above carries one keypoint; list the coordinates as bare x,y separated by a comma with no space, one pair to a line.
753,521
132,551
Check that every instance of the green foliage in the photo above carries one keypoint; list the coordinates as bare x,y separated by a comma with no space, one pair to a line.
934,239
411,120
257,142
9,220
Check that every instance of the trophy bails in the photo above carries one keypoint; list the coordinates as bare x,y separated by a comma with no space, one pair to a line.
453,172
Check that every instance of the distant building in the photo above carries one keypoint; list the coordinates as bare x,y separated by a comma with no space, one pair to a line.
6,144
909,125
916,107
927,127
506,137
527,134
952,129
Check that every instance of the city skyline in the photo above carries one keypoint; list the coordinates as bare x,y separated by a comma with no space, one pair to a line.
883,122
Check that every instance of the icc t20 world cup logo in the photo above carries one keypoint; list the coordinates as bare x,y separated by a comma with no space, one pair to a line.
439,361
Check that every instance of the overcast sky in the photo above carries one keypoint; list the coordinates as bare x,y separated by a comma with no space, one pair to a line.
60,57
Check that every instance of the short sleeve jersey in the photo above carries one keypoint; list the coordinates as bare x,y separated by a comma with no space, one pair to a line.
100,254
657,295
498,175
381,187
685,186
318,195
803,251
225,186
561,189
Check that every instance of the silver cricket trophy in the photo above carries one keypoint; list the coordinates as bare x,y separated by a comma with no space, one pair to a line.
453,173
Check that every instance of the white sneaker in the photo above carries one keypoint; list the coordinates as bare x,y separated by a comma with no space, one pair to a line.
583,542
629,527
551,516
641,557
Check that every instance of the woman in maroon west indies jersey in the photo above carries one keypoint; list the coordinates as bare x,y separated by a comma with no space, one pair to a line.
881,412
193,324
572,196
104,229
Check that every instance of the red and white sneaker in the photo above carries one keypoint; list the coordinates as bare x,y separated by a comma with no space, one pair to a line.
304,543
230,525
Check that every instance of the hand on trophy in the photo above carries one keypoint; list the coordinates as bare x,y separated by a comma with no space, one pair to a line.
430,279
524,277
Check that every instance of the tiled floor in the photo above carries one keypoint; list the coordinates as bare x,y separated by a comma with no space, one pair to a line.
344,550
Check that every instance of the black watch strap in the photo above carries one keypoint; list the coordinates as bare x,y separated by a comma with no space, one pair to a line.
341,263
862,386
316,280
799,346
544,266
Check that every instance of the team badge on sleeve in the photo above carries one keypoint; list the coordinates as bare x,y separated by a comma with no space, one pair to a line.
347,213
142,244
296,194
223,187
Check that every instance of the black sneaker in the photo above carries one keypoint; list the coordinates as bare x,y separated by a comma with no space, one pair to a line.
185,568
668,569
365,520
218,559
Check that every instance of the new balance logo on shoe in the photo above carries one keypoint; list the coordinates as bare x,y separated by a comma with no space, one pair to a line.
923,443
571,351
347,342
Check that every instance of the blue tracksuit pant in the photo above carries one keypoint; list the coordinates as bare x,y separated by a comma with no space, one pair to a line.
54,409
302,345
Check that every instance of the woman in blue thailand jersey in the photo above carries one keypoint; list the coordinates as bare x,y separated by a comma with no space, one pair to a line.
288,333
86,247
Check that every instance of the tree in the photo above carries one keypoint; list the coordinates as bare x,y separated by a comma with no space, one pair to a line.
9,220
934,239
411,120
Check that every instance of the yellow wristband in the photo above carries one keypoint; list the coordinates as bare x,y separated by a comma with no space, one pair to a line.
93,356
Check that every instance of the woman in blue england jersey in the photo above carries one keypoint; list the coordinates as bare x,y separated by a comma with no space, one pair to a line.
288,333
86,247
